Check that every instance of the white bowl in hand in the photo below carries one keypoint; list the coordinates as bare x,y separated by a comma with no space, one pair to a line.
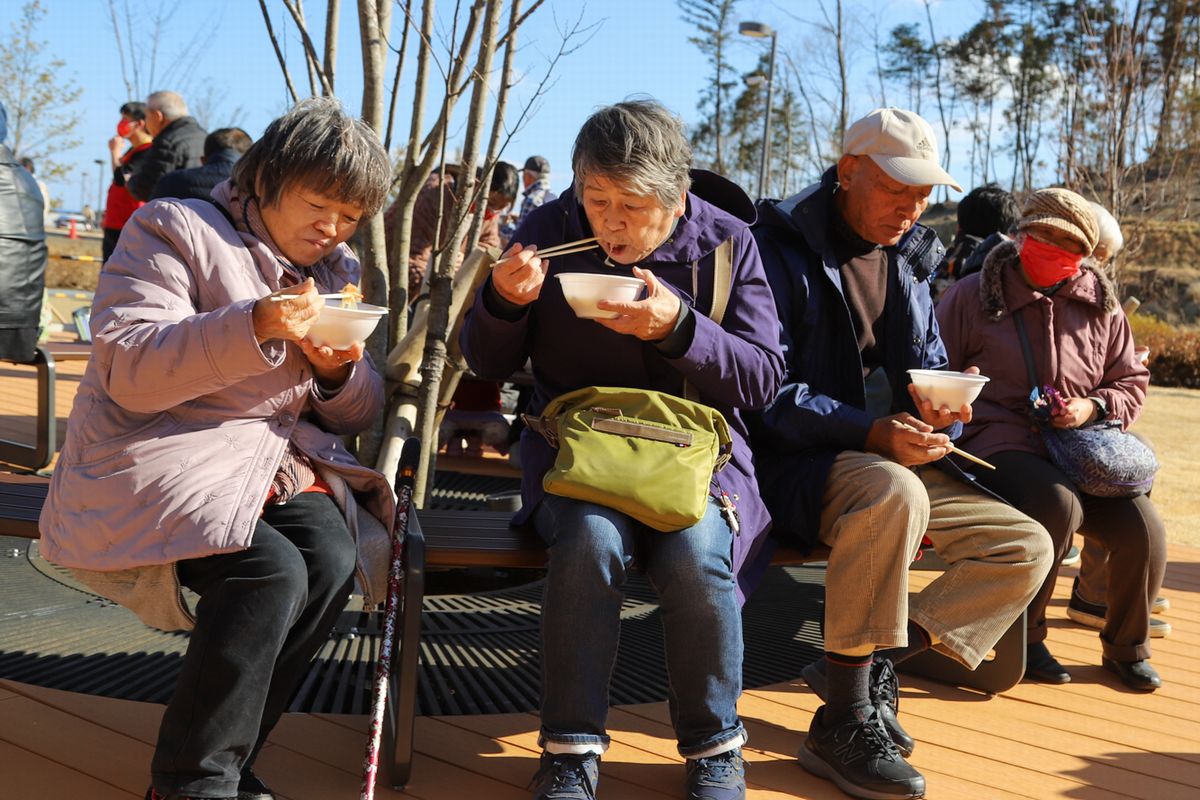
943,387
584,290
339,328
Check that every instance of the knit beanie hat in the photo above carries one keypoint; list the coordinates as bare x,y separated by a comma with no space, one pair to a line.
1063,210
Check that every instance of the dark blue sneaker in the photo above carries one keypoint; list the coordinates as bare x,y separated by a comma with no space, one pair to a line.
566,776
858,755
719,777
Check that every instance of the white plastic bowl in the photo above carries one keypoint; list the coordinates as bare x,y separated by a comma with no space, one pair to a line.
943,387
584,290
340,328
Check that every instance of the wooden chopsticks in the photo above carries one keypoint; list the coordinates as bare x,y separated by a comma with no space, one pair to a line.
566,248
970,457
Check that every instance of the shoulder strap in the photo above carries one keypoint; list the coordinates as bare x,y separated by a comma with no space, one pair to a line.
1026,350
722,280
722,287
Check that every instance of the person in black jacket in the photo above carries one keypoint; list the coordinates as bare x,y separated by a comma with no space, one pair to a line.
222,148
22,255
178,143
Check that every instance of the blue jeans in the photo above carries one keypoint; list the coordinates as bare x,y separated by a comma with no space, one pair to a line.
591,548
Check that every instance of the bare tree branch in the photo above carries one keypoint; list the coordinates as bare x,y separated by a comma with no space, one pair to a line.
309,48
287,77
310,58
387,139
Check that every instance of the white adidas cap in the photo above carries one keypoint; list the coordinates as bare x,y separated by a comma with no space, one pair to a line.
902,144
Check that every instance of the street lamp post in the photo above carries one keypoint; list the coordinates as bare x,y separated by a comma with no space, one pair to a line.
760,30
100,191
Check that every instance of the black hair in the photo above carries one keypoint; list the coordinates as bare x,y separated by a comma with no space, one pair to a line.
134,110
504,179
986,210
227,139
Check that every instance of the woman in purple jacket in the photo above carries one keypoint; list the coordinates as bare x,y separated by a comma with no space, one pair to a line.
631,191
204,447
1082,347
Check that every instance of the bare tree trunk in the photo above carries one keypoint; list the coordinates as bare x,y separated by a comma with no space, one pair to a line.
374,19
331,34
309,49
443,274
937,88
844,107
401,53
493,148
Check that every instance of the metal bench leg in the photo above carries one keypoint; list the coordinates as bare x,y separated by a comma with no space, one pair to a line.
38,455
403,708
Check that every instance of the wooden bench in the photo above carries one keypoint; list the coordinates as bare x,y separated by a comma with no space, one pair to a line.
441,539
38,455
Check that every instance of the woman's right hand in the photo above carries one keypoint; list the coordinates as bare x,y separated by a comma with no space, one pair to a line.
290,317
519,274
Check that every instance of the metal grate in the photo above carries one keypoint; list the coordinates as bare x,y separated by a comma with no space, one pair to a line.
479,650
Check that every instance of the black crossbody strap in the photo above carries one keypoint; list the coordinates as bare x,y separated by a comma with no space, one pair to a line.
1026,350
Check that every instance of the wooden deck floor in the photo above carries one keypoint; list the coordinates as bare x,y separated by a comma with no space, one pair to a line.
1087,739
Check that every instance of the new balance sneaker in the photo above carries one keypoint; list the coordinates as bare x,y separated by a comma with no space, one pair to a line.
884,692
1092,615
151,794
858,755
251,787
565,776
719,777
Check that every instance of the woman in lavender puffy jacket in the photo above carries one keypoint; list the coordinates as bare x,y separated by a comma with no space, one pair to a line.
204,448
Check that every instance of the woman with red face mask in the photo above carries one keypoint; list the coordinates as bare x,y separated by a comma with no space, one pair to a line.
1081,345
120,205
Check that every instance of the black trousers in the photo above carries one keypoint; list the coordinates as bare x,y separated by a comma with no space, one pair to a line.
264,612
1129,529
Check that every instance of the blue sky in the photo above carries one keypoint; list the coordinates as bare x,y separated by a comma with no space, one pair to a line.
638,47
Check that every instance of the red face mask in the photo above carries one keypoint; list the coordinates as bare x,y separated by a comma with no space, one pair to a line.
124,128
1045,264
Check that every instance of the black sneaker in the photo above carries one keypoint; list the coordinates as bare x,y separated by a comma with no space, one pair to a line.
719,777
566,776
858,755
1092,615
884,692
251,787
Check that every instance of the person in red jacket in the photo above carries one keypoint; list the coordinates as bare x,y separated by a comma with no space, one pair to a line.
120,205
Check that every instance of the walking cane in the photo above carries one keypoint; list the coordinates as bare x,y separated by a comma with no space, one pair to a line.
404,490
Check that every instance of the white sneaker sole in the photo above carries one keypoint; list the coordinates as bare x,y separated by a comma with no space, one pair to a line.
1159,628
816,765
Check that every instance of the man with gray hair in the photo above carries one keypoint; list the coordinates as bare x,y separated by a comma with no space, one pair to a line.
22,255
178,143
851,456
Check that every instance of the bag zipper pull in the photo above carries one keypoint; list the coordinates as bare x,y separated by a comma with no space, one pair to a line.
729,510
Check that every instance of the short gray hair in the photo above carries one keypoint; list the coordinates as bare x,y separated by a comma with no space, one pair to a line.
639,143
171,104
319,146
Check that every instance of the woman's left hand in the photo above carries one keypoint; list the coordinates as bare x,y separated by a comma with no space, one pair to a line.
331,367
651,319
1079,411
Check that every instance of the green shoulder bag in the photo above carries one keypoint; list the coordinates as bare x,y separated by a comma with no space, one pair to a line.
647,454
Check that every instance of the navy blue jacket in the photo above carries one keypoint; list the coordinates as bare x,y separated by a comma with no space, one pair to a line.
819,410
198,182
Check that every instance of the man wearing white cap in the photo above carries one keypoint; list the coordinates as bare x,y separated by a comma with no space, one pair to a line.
849,456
